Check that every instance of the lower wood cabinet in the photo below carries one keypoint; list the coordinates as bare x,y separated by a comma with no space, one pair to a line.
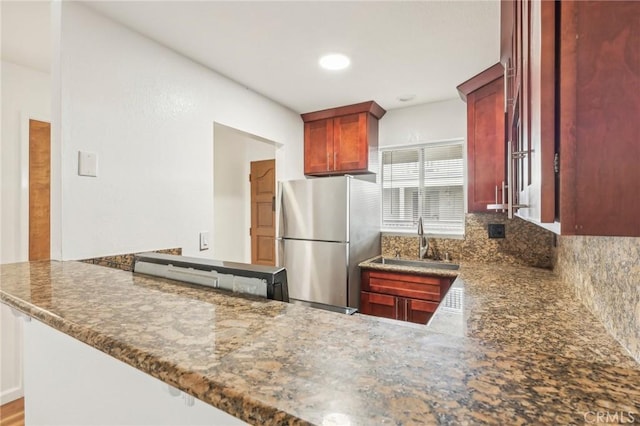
401,296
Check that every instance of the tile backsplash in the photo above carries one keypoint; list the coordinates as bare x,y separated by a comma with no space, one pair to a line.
604,273
524,243
125,261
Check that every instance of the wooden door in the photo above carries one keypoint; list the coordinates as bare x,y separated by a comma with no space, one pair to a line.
263,217
318,146
350,147
39,190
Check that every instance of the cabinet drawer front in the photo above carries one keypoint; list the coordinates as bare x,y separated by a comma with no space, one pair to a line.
405,289
422,279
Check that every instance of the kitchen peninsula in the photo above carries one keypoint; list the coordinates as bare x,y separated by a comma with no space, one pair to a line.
530,353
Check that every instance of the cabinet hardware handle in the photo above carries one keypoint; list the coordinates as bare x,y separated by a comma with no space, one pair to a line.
521,154
328,160
397,308
502,206
335,159
406,309
510,180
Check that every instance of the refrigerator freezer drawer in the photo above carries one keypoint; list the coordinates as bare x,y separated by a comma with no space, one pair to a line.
316,270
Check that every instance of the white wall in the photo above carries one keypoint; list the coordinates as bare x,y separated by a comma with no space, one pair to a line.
424,123
26,93
233,153
11,351
148,114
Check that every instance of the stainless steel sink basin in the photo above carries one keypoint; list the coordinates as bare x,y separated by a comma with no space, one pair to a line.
416,263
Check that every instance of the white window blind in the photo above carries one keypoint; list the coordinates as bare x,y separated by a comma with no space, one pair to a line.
425,181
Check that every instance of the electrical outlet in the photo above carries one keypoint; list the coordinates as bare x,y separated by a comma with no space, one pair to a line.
204,240
496,230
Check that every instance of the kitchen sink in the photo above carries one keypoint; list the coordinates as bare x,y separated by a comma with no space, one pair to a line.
416,263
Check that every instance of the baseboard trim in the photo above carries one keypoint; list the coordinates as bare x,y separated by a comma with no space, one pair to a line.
11,395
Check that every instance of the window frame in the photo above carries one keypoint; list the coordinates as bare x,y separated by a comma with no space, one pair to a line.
419,146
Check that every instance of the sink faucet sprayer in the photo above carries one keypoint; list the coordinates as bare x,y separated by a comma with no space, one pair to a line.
424,242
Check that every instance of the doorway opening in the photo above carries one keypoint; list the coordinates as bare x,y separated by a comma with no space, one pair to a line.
234,151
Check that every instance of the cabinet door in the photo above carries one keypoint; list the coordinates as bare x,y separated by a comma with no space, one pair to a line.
318,146
485,145
532,119
419,311
350,147
379,305
599,118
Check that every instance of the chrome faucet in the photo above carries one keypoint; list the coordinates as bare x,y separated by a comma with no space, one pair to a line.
424,241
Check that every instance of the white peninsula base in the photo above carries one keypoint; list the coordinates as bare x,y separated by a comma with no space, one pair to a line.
67,382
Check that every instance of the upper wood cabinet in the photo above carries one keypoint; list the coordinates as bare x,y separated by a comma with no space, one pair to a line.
528,54
342,140
484,95
572,103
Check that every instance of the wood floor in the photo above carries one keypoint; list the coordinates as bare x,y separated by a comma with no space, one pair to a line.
12,413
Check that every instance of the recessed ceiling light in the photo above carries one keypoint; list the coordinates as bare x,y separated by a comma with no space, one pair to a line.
334,61
406,98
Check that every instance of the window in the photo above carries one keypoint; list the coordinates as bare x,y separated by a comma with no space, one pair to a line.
424,181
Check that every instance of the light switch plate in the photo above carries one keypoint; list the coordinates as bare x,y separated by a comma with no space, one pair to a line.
204,240
87,164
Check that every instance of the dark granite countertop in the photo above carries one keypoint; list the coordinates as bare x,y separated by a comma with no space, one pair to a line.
372,264
528,353
524,307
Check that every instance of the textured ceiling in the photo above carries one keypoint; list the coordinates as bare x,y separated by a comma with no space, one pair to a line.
396,48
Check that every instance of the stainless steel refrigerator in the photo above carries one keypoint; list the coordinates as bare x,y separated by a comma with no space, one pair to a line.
326,227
